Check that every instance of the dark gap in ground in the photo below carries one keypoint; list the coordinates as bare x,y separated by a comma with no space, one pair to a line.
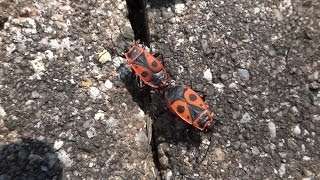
2,21
138,17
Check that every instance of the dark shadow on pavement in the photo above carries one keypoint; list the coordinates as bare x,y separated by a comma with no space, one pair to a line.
29,159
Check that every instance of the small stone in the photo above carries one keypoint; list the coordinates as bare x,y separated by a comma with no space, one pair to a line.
224,77
91,132
65,43
218,86
207,75
179,7
54,44
49,54
297,130
111,122
282,169
99,116
141,114
255,150
168,174
91,164
272,129
108,84
94,92
245,118
1,123
57,144
244,73
2,112
306,158
86,83
64,158
35,94
219,154
104,57
38,65
278,15
117,61
233,86
10,48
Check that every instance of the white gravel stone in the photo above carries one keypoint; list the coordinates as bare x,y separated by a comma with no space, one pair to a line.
94,92
99,116
64,158
207,75
179,7
272,129
108,84
218,86
2,112
297,130
57,144
91,132
117,61
111,122
49,54
282,169
10,48
245,118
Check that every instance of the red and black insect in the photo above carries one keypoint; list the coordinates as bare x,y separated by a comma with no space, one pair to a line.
189,106
146,66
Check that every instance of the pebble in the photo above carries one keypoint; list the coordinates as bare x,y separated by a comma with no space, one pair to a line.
86,83
99,116
94,92
91,132
219,87
57,144
108,84
282,169
179,7
49,54
255,150
245,118
306,158
38,66
2,112
233,86
10,48
64,158
54,44
104,57
272,129
207,75
111,122
297,130
220,154
117,61
35,94
244,73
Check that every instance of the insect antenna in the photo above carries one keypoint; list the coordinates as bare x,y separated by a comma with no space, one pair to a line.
210,140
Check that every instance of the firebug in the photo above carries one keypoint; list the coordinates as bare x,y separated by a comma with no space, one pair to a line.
189,106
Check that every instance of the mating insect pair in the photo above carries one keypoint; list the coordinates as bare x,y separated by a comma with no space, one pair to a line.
180,99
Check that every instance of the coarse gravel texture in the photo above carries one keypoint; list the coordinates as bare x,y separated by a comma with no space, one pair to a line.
65,111
59,86
258,64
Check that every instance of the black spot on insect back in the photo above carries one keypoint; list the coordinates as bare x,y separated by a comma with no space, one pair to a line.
154,64
144,74
180,109
192,97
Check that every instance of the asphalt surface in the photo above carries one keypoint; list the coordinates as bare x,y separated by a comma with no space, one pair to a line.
69,109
